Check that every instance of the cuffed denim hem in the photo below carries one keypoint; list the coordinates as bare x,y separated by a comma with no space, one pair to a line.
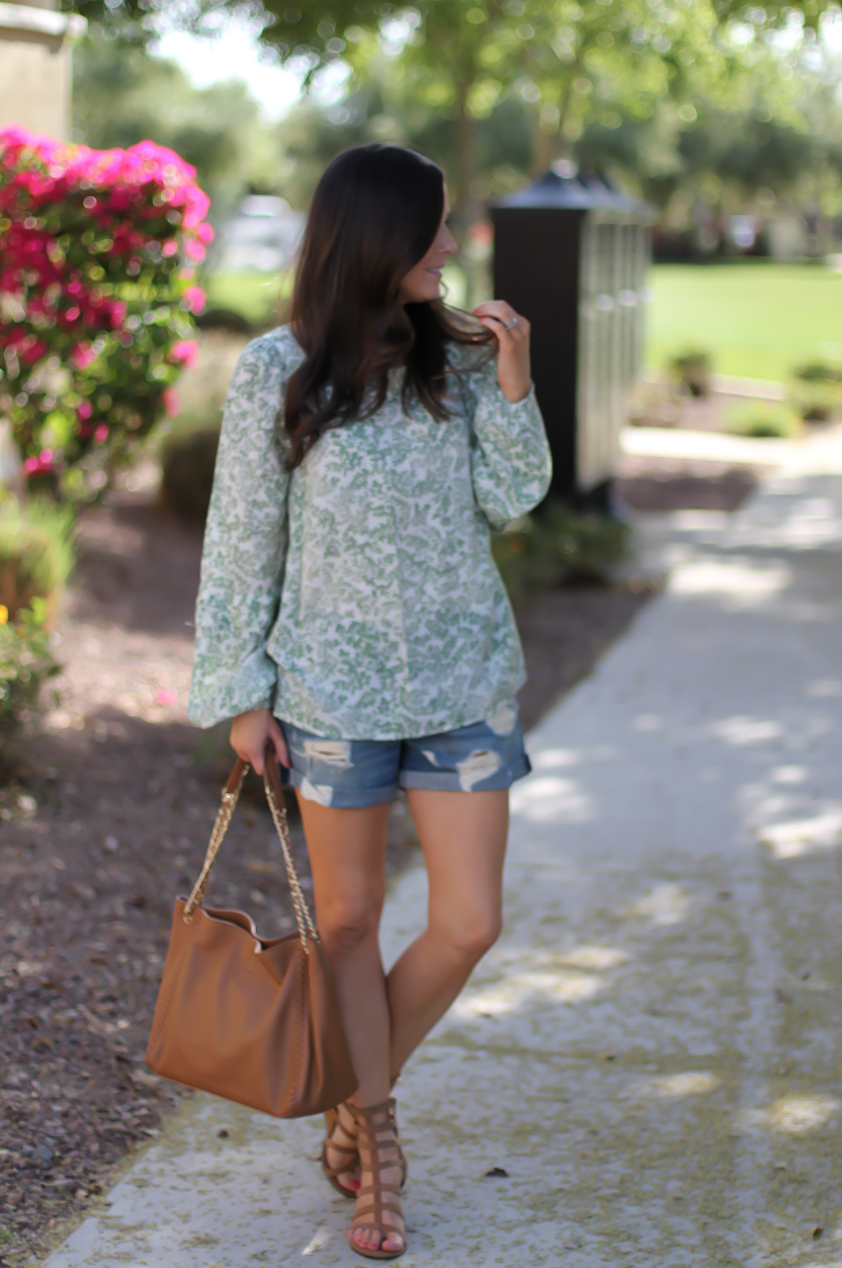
484,756
450,781
344,798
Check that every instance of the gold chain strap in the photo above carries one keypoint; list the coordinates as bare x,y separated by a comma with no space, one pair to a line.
302,912
220,827
279,815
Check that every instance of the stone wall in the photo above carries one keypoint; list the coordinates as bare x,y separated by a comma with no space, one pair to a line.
35,66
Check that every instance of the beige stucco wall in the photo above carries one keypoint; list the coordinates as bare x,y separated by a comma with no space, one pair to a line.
35,86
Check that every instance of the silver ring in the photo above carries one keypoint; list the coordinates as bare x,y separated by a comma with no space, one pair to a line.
507,325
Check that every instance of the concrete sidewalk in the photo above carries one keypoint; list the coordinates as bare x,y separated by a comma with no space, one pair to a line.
809,452
651,1053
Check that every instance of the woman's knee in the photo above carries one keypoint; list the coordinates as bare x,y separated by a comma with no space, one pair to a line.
470,934
346,923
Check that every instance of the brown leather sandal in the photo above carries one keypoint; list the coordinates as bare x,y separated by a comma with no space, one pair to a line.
352,1154
349,1152
393,1115
379,1151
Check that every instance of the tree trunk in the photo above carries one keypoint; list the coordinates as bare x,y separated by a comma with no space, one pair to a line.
465,211
463,207
544,145
561,143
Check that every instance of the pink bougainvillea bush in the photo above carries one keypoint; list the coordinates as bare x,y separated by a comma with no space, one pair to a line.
97,294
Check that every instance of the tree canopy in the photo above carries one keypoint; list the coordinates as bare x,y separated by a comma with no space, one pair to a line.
122,96
681,99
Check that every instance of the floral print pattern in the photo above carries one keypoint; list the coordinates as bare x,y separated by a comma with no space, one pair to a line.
357,597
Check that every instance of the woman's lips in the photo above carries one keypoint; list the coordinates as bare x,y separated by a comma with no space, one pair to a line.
435,272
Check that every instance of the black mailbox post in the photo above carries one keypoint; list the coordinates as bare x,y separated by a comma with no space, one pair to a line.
571,254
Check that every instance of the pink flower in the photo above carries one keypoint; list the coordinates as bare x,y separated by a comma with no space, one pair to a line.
42,465
51,195
171,405
32,350
83,355
184,351
194,298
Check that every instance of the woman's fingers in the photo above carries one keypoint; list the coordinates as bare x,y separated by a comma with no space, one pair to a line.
509,339
250,734
498,311
511,332
276,738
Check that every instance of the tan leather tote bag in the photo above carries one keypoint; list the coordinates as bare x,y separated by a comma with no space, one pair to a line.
251,1019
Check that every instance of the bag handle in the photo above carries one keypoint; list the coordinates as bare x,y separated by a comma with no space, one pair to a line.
277,805
275,797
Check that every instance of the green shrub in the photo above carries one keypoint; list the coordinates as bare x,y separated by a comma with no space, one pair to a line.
693,369
36,554
26,662
759,420
560,546
819,372
187,463
815,401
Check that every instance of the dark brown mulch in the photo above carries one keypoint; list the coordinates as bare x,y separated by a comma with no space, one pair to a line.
670,484
106,818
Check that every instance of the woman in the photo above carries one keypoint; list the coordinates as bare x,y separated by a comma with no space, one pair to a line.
350,614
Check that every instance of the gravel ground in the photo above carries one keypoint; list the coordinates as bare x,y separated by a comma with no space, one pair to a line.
105,816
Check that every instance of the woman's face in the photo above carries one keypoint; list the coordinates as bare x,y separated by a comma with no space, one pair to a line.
423,282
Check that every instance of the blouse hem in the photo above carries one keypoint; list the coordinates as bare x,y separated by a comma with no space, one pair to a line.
418,729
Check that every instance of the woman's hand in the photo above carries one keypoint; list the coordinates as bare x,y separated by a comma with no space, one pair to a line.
512,333
252,731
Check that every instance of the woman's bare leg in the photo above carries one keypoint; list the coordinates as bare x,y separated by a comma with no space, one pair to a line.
463,837
348,854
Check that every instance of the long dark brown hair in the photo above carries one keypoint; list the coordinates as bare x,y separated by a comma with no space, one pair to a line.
375,213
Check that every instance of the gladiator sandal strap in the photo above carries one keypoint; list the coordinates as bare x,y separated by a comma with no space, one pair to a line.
379,1150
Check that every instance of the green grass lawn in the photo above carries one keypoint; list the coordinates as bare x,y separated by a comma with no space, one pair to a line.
255,295
759,319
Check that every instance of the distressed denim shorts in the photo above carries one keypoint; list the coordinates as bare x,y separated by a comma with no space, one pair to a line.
354,773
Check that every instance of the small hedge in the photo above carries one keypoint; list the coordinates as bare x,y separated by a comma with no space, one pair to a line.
36,554
560,546
187,463
693,369
763,421
26,663
819,372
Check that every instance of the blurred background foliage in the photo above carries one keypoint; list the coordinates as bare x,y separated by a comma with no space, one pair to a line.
680,101
123,96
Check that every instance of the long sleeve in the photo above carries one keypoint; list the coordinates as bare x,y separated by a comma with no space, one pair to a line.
245,546
511,463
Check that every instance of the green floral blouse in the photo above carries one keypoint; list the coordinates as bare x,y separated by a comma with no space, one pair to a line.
357,597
